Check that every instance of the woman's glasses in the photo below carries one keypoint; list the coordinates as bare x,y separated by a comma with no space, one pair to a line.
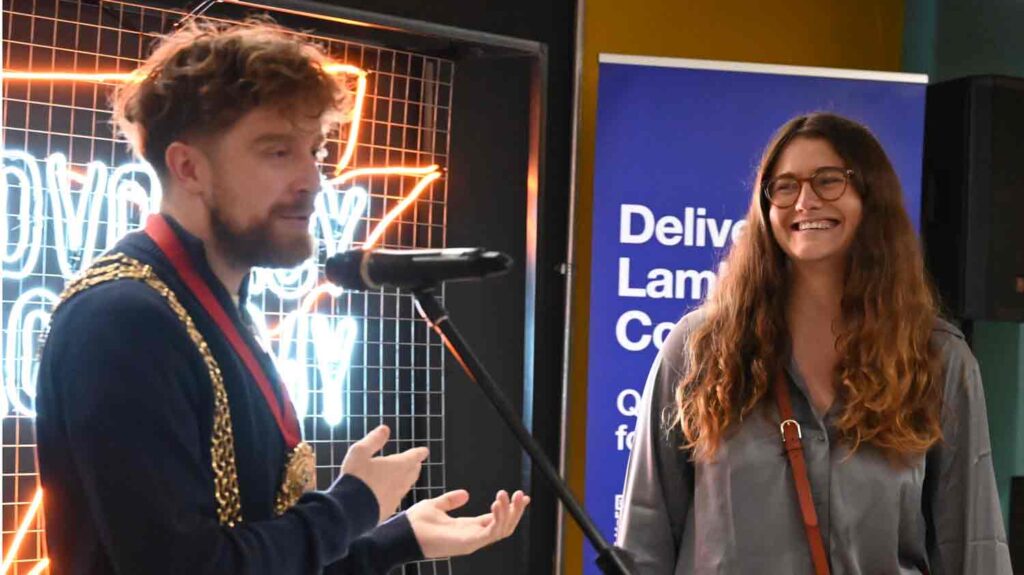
828,183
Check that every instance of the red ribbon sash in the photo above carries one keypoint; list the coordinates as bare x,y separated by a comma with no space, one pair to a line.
160,232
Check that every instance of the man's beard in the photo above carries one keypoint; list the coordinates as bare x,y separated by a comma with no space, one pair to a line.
256,246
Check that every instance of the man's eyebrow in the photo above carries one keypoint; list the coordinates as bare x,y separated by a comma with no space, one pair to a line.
271,138
268,138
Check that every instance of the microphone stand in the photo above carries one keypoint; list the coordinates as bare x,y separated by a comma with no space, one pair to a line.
610,560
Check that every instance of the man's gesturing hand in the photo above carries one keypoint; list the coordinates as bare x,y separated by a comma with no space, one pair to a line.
389,477
441,535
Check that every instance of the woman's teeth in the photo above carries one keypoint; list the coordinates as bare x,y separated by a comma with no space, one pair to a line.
816,225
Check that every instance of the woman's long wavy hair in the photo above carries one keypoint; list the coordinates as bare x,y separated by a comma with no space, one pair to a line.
888,387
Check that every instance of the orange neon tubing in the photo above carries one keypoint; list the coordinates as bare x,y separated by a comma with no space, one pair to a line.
385,171
331,68
22,529
407,201
357,117
39,567
71,76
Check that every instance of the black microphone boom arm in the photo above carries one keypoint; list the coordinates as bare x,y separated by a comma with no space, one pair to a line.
421,271
611,560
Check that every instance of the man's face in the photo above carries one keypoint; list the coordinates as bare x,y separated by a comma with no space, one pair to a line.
263,185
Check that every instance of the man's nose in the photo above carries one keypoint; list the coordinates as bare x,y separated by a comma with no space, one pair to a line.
311,180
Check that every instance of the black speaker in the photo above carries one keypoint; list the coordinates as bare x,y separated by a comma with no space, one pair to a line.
973,201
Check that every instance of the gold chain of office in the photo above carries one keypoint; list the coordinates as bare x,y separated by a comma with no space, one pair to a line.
222,443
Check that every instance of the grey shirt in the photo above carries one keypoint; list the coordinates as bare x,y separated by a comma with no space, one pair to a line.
739,513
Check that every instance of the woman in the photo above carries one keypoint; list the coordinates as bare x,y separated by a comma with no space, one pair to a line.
825,301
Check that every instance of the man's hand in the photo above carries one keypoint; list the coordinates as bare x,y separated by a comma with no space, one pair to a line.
389,477
441,535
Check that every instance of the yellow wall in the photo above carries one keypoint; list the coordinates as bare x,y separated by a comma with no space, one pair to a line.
865,35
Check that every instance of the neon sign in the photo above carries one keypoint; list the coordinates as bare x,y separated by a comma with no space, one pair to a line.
19,536
126,196
50,206
77,204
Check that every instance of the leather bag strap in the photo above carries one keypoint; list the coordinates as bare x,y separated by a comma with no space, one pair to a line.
791,436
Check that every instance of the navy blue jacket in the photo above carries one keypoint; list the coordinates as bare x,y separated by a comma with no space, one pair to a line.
125,410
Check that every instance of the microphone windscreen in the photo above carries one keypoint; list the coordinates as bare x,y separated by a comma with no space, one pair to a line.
344,269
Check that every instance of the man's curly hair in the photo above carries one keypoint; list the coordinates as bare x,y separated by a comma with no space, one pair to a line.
205,76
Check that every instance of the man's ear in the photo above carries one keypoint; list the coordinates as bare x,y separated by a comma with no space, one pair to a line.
188,167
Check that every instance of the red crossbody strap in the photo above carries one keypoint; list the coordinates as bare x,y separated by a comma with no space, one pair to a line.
791,435
161,233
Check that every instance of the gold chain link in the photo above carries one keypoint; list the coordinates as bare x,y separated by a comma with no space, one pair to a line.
299,477
222,443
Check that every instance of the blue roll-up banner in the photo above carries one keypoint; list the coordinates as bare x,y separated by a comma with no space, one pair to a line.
678,142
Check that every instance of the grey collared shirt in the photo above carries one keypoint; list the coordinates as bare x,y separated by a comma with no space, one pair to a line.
739,513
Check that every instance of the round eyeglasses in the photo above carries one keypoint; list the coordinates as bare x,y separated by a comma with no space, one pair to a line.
829,184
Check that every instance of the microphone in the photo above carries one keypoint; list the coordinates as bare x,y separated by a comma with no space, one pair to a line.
412,269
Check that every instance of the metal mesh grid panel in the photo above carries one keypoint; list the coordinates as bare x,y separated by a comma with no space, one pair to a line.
352,359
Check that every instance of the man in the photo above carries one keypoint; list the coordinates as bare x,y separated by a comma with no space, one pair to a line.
166,441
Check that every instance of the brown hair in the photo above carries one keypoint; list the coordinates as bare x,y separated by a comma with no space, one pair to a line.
888,386
205,76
